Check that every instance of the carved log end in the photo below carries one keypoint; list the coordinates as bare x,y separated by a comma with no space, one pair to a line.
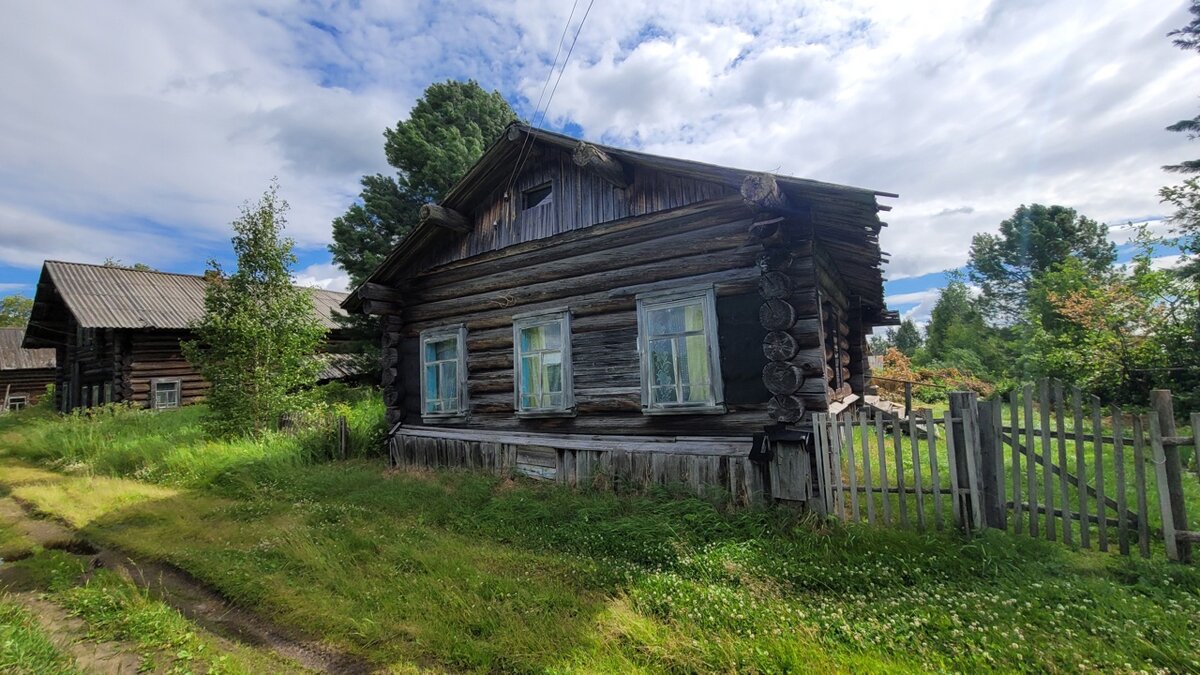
776,315
761,192
787,409
782,378
779,346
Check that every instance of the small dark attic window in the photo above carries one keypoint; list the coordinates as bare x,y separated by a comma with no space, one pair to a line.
536,196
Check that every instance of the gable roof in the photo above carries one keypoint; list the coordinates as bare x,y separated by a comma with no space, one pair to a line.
847,216
15,357
98,296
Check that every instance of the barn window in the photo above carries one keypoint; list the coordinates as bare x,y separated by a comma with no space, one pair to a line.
677,344
542,363
16,401
166,393
443,371
536,196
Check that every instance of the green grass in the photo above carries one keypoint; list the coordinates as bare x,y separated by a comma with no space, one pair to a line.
24,645
475,572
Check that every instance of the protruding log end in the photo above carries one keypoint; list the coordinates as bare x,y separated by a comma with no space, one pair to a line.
444,217
779,346
590,157
776,314
782,378
761,193
514,133
786,409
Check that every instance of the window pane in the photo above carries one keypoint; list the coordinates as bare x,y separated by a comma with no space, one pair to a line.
665,321
663,394
693,317
442,350
662,367
431,382
693,359
552,373
448,384
532,338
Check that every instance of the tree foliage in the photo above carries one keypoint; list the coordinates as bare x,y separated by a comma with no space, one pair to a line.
15,310
256,342
1187,38
1118,333
445,133
907,338
1006,265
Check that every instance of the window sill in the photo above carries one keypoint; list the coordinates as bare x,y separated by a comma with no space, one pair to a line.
538,414
719,409
456,418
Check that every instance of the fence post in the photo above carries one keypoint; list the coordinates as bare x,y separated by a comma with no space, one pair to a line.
1164,410
994,509
343,433
964,407
908,406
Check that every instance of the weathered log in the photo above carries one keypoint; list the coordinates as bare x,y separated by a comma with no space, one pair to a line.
444,217
764,229
381,308
776,259
761,192
588,156
776,315
374,291
514,134
779,346
774,285
787,409
782,378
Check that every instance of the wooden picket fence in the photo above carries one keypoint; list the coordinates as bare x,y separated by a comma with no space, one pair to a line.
1047,461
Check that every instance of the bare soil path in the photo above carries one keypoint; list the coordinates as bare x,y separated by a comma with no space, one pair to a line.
174,587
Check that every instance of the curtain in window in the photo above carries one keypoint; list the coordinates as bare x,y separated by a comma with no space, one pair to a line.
678,345
540,349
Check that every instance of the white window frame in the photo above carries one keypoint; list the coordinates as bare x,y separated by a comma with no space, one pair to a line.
459,333
154,393
561,316
663,299
15,402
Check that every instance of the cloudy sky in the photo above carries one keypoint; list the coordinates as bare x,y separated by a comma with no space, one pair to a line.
133,130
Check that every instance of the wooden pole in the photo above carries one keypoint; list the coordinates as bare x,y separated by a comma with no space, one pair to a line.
993,499
908,407
1160,402
964,407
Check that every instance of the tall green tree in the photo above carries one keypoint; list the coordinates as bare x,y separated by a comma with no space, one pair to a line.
958,337
258,337
445,133
1187,38
1185,197
15,310
908,338
1006,264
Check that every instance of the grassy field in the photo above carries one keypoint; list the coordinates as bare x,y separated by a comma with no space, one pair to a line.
472,572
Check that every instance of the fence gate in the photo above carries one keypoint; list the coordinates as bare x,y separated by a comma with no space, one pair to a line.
1046,461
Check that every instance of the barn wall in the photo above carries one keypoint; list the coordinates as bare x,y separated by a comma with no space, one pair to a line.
150,355
28,382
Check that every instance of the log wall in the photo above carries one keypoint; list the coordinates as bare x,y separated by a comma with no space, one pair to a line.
28,382
596,273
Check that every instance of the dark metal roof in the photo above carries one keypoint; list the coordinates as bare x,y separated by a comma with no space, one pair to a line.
848,216
15,357
99,296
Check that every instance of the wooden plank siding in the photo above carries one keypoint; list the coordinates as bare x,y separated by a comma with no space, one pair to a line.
579,199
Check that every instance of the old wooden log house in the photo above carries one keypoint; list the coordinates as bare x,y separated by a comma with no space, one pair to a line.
24,373
116,333
592,314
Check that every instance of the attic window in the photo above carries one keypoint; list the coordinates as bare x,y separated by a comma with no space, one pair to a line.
536,196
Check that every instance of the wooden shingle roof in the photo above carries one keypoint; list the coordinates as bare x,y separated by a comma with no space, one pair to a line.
15,357
99,296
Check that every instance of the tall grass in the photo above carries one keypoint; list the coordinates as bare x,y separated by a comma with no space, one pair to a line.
170,447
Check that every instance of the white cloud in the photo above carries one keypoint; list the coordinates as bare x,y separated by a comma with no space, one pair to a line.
141,126
1165,262
326,276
